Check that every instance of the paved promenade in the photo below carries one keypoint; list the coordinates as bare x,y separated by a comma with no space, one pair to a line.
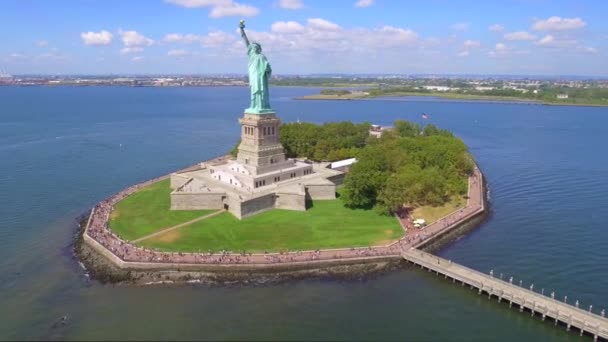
97,229
525,299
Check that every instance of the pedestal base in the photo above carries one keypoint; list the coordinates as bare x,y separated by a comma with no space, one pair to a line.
259,111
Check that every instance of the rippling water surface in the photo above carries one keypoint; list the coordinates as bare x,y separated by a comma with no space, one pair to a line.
64,149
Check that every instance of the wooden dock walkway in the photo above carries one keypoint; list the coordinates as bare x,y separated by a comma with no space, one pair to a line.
536,303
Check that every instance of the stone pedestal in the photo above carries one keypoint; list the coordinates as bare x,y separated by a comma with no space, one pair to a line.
260,150
260,179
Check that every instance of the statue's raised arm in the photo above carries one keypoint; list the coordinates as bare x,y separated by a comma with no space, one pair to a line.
243,34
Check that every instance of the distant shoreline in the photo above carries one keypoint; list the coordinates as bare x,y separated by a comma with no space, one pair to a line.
320,97
445,97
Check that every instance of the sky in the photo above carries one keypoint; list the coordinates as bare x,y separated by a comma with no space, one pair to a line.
512,37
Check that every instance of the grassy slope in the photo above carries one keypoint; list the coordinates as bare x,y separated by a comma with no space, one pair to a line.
328,224
147,211
431,214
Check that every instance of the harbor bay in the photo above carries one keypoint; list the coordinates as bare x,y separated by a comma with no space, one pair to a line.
542,166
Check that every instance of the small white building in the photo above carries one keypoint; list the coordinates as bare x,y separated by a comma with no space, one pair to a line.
562,96
342,164
437,88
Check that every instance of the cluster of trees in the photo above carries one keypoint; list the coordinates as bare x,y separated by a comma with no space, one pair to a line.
396,90
328,142
331,141
411,165
338,92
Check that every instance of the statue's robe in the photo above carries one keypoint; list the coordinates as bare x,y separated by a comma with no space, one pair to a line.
259,71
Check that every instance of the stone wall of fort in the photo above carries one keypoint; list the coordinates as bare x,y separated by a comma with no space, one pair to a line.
256,205
196,201
321,191
337,179
291,201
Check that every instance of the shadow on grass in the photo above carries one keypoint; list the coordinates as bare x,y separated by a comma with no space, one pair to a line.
309,204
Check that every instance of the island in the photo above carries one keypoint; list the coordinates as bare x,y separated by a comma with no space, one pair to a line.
291,200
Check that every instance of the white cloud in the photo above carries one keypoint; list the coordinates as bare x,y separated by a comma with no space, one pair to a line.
460,27
470,44
181,38
287,27
291,4
178,53
463,54
218,39
364,3
519,35
133,38
496,28
396,35
233,9
137,58
590,49
500,49
128,50
42,43
319,37
558,24
219,8
54,56
97,38
550,41
323,25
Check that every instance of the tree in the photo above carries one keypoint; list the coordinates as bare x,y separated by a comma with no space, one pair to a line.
406,128
365,179
399,189
405,167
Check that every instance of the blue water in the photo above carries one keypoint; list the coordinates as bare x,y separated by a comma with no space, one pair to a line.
64,149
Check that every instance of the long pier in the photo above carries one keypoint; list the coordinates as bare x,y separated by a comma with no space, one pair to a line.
536,303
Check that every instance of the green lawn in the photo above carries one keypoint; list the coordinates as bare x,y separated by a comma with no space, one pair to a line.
328,224
431,214
147,211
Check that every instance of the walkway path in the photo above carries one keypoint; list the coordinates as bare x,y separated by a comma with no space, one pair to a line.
160,232
584,320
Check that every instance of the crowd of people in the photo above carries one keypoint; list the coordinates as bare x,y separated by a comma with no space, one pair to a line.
99,231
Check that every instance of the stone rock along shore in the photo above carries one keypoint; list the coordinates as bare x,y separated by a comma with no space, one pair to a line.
108,258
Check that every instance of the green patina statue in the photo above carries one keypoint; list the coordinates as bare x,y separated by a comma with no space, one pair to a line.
259,73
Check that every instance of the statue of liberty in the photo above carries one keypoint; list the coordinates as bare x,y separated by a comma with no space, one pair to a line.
259,73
